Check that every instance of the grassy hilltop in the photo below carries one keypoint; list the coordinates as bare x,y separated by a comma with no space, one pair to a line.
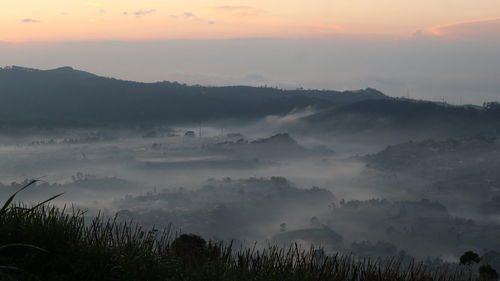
49,243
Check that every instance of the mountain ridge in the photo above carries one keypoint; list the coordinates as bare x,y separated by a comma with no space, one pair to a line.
68,97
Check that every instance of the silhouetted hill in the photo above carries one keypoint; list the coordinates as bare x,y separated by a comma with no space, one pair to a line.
441,156
405,117
68,97
448,170
279,139
276,147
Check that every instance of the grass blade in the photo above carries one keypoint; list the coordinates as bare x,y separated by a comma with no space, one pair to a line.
22,245
43,203
11,198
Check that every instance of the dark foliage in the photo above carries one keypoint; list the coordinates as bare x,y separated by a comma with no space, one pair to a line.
469,258
68,249
487,273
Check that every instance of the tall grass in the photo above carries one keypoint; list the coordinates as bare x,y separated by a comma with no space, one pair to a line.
65,247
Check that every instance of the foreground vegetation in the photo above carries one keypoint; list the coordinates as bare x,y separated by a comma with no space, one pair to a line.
50,243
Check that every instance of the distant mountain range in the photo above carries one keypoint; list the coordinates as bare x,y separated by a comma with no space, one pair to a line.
67,97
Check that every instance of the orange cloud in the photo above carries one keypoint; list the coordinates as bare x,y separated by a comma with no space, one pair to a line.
484,28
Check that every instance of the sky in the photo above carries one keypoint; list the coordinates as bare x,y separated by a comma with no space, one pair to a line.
430,49
80,20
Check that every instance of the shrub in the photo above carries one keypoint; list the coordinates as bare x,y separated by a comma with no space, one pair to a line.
487,273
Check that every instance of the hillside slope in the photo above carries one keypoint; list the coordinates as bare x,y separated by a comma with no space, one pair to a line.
65,96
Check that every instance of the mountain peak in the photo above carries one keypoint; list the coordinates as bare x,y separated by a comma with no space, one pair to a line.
282,139
68,70
59,70
371,92
63,68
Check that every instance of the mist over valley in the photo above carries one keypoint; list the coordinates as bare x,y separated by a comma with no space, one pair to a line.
353,172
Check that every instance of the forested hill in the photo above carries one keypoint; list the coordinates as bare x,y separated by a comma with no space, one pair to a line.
69,97
406,117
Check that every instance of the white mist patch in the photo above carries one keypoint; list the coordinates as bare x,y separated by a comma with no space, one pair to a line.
293,116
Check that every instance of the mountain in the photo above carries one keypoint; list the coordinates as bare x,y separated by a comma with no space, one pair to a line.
69,97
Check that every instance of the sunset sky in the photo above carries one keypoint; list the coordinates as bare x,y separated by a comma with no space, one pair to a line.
83,20
430,49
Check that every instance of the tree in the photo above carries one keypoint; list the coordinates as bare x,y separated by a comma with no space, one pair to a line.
469,258
189,245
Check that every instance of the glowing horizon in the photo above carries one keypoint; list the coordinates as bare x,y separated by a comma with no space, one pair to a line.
83,20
